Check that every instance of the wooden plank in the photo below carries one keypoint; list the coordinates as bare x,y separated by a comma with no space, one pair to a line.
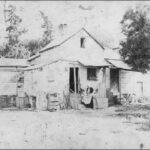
120,84
102,85
107,78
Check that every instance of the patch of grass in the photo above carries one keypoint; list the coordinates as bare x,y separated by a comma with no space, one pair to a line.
133,112
133,108
144,126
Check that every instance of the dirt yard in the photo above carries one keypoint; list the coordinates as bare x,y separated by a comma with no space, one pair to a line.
114,127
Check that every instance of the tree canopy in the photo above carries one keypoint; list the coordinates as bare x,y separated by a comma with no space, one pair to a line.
136,47
33,46
48,29
14,48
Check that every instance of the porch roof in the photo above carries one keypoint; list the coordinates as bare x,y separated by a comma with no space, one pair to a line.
10,62
119,64
99,63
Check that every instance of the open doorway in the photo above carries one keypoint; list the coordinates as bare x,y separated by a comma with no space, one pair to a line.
74,80
139,88
114,86
114,80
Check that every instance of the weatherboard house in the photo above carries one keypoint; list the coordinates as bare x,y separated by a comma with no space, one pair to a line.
64,71
75,63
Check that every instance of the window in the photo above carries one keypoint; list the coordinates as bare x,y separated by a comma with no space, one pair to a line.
82,42
91,74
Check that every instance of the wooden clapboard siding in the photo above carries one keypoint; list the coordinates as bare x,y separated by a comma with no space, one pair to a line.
126,81
130,80
28,82
8,82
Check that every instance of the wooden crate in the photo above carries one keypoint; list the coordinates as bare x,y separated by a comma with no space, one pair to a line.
3,102
20,102
102,102
53,102
75,100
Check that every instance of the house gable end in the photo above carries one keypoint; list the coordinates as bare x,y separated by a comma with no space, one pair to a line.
71,49
51,46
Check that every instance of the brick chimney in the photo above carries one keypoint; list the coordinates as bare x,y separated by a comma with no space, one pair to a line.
62,29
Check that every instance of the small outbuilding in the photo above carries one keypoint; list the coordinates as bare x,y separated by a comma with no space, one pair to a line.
11,81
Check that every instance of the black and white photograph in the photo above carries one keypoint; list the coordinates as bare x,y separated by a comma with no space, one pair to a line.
74,74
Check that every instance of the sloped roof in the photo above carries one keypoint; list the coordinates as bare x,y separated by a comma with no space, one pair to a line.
95,64
101,63
42,65
10,62
112,54
109,53
33,57
119,64
60,40
34,67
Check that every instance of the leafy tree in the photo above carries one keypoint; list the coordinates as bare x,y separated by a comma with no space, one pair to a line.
14,48
48,29
136,47
33,46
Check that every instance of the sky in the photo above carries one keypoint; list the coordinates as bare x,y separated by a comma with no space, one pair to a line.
101,17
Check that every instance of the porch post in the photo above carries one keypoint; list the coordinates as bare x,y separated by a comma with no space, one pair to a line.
120,84
75,86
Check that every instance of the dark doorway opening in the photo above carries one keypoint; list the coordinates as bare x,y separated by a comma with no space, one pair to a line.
74,80
140,88
114,85
114,80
